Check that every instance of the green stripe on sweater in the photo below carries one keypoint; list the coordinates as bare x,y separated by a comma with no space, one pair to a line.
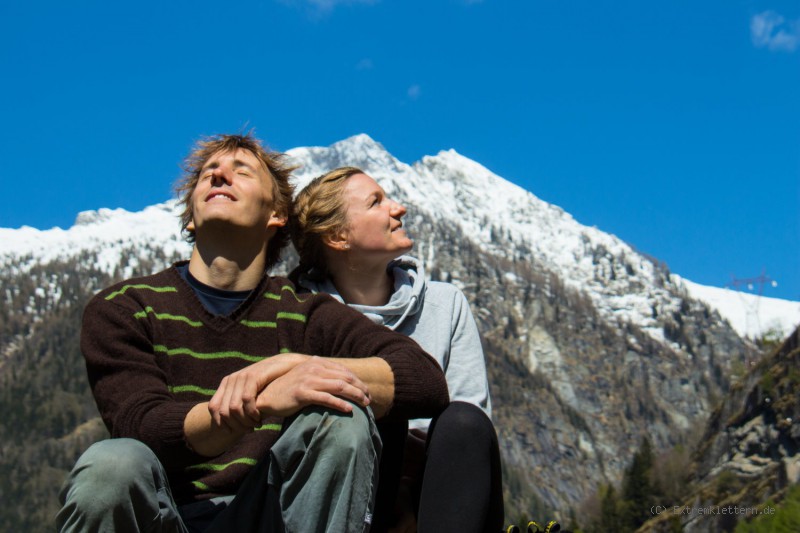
287,288
269,427
291,316
202,486
290,289
175,389
140,286
257,324
214,355
167,316
218,468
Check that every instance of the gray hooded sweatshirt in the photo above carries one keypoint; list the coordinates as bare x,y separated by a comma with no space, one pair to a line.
437,316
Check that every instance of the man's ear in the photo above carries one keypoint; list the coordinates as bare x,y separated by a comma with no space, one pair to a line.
277,220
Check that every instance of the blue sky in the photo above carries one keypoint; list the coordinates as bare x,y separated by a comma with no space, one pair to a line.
672,124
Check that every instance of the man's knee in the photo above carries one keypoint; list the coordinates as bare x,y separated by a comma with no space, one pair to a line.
327,461
354,431
114,482
109,468
317,432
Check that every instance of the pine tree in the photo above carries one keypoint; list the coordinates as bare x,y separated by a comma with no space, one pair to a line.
638,491
611,512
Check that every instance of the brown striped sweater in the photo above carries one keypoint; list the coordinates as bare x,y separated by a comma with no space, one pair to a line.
153,352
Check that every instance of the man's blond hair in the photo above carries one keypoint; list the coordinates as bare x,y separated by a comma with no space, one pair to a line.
275,165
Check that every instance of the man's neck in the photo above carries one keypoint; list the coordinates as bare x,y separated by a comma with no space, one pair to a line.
231,268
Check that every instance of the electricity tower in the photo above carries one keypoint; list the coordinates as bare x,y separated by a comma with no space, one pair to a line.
751,306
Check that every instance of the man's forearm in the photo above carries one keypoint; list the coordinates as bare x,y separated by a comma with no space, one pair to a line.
376,373
209,439
205,437
210,428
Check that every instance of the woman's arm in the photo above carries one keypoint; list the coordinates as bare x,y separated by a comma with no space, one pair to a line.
466,367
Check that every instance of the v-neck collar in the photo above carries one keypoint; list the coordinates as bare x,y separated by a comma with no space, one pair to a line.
218,322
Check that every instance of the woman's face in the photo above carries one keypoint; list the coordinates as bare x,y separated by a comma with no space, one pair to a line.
374,226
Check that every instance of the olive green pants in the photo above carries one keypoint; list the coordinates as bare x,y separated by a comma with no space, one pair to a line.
321,475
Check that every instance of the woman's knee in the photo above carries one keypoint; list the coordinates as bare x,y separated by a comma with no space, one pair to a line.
464,418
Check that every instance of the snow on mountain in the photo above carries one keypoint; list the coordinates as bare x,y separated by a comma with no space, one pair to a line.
750,314
623,284
452,187
107,231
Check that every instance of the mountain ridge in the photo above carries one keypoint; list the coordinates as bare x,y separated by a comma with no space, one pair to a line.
590,346
553,235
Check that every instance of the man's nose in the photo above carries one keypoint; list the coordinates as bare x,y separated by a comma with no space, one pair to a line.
221,175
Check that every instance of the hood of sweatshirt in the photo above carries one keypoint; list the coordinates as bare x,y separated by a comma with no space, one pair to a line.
406,300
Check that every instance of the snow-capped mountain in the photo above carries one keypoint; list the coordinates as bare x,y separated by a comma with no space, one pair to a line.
479,201
590,345
622,283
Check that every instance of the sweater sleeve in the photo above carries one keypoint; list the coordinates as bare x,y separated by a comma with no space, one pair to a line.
335,330
128,384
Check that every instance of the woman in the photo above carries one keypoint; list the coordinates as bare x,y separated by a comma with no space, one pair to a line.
351,241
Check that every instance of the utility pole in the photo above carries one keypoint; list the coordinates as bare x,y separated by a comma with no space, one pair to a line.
751,307
761,280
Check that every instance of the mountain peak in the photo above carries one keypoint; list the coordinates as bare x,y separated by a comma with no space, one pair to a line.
363,149
359,150
361,140
86,218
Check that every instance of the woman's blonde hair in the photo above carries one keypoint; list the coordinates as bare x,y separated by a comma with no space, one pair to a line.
318,212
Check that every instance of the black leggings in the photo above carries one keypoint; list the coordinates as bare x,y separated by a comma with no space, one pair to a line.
462,486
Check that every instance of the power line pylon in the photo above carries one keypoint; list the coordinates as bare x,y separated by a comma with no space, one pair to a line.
751,307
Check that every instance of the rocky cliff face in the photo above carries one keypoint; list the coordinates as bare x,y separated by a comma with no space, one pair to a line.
589,345
573,392
749,452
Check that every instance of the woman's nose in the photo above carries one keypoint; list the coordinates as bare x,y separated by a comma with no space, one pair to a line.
398,209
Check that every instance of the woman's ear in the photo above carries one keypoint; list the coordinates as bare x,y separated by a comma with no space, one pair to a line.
336,241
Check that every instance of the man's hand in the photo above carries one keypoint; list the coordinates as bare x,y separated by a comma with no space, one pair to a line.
281,386
233,406
316,381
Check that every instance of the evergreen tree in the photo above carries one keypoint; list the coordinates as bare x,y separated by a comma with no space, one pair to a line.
611,512
638,491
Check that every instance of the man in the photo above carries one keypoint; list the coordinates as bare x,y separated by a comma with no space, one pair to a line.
201,375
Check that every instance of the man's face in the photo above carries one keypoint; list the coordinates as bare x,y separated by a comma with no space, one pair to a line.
234,190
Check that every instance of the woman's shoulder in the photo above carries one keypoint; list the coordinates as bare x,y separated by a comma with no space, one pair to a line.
441,293
443,287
